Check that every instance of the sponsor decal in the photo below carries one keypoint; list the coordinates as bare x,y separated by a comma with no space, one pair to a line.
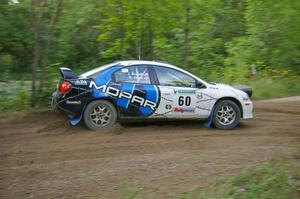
183,110
168,106
73,102
184,91
199,96
116,93
80,82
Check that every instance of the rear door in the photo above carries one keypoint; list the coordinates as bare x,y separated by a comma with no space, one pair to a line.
178,93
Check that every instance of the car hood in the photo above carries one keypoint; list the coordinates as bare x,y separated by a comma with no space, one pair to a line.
243,91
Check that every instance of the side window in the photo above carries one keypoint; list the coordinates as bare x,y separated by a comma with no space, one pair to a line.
133,74
172,77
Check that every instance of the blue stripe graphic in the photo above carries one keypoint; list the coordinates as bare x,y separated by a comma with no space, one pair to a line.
151,95
103,79
129,88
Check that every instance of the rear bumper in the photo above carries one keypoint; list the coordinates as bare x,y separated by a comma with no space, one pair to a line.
62,104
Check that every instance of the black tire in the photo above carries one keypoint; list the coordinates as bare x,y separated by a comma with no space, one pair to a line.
223,115
93,113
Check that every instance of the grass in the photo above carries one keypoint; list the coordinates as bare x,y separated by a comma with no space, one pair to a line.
272,180
128,192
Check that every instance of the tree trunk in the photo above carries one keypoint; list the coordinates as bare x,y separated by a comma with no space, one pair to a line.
186,37
121,32
36,22
54,19
150,49
139,50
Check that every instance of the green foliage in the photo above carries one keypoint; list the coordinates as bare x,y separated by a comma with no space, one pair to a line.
23,99
6,60
14,96
75,45
46,90
16,43
271,28
274,87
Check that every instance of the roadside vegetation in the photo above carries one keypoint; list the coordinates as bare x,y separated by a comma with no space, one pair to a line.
273,179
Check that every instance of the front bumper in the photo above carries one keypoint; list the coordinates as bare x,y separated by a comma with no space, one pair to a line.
247,109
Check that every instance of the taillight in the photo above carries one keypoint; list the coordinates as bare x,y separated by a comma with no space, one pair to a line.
65,87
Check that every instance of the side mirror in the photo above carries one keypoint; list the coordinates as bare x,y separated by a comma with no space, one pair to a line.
200,85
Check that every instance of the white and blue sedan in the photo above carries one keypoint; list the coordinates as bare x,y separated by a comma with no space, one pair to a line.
131,90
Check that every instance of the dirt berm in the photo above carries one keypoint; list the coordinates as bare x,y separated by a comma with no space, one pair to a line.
42,156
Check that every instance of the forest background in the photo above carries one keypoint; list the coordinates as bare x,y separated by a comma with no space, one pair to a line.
252,42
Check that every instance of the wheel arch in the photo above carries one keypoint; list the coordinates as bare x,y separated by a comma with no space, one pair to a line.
235,100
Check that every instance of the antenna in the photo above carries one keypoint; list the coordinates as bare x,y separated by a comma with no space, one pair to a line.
139,49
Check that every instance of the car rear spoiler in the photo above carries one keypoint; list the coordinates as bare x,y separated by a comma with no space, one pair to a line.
67,73
246,89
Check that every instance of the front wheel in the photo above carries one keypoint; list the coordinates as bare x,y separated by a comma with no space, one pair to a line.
99,114
227,115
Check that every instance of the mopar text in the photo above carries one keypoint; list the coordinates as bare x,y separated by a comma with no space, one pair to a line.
114,92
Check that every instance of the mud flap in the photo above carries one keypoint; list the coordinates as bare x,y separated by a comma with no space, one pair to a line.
209,120
74,120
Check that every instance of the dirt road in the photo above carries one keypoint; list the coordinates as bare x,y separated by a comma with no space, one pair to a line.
42,156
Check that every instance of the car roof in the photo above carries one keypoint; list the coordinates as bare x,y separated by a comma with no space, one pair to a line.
127,63
139,62
144,62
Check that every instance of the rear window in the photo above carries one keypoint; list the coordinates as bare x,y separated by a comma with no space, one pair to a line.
138,74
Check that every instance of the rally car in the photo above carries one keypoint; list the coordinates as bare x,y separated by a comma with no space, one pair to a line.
131,90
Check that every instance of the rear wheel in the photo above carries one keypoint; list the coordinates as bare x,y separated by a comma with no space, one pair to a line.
227,114
99,114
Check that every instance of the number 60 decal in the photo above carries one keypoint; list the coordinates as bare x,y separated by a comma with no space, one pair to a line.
184,101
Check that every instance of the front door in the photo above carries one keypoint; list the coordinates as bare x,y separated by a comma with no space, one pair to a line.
178,94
